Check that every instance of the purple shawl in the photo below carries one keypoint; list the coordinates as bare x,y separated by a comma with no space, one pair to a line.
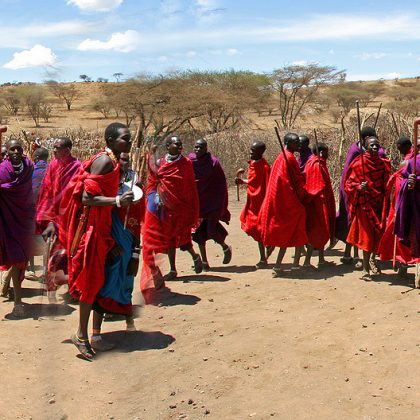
304,155
211,186
16,213
407,219
342,221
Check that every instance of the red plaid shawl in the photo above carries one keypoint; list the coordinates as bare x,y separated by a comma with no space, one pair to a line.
377,171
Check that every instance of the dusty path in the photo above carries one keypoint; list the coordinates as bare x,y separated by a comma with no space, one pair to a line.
230,344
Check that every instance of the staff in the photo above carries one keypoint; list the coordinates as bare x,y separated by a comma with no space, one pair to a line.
239,172
362,143
2,130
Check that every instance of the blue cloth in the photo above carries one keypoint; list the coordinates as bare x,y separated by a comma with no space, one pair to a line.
40,168
118,285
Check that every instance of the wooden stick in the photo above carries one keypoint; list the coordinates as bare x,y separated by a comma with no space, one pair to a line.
377,115
316,143
239,172
2,130
362,143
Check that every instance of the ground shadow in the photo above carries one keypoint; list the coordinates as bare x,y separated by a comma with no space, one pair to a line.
40,310
127,342
165,297
31,292
241,269
202,278
394,279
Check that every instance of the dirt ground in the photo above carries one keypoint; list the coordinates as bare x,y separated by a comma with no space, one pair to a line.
233,343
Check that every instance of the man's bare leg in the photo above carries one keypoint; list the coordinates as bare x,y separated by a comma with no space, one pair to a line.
81,338
97,342
198,264
309,252
203,252
298,253
366,266
172,258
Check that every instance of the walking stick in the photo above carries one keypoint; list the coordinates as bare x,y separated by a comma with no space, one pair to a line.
239,172
134,165
415,140
289,171
377,115
316,143
362,143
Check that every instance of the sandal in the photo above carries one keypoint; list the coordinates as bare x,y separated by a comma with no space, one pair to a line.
198,264
261,264
374,267
228,255
359,265
172,275
84,347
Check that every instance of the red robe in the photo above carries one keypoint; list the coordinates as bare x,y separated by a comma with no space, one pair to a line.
169,225
365,207
86,268
320,211
58,175
258,177
283,216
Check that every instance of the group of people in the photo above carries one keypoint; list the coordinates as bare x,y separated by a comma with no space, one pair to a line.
94,225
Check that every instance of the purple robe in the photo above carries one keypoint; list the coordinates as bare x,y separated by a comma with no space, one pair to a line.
304,156
407,219
213,197
342,223
40,168
16,213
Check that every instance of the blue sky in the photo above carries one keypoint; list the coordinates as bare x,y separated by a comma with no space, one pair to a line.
62,39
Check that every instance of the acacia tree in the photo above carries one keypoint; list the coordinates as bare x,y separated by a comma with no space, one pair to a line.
66,92
36,102
297,86
11,101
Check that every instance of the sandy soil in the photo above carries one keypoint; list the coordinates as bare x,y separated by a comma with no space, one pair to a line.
233,343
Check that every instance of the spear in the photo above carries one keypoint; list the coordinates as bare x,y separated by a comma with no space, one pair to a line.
362,143
377,115
239,172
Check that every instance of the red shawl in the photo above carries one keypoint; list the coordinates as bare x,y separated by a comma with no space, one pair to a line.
86,268
57,177
258,177
365,207
170,226
320,212
282,218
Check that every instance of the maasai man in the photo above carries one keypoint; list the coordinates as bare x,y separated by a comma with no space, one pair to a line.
305,151
59,173
320,211
85,225
282,217
258,176
3,152
342,223
16,219
213,198
407,221
172,211
389,241
40,157
122,265
365,184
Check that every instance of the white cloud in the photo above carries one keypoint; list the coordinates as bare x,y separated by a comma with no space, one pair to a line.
95,5
232,51
206,11
369,56
119,41
37,56
373,76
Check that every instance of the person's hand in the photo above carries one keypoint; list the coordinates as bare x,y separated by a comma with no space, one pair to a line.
363,186
127,198
133,265
49,231
239,181
411,181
